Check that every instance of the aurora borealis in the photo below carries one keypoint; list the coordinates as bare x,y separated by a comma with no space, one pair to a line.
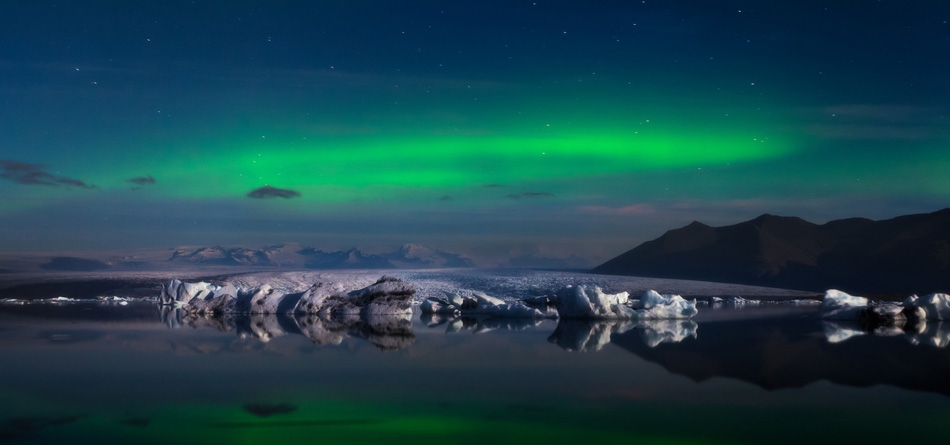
491,128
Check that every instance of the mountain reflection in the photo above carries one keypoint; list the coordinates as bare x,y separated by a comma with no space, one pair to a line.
780,353
386,332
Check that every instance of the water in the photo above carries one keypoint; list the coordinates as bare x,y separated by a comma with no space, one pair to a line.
94,373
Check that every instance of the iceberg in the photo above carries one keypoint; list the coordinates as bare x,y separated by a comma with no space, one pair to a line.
580,302
387,296
936,306
838,305
455,305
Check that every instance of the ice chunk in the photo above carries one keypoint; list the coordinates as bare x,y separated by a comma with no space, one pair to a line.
482,304
838,305
434,305
937,306
579,302
312,299
265,300
387,296
653,305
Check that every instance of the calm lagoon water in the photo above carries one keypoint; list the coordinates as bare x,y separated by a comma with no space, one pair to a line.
94,373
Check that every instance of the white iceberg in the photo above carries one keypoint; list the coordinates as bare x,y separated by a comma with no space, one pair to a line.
581,302
838,305
479,304
387,296
937,306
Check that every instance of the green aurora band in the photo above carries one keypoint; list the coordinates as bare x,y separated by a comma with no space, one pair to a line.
358,164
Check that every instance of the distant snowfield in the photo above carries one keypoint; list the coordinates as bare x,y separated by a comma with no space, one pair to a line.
505,283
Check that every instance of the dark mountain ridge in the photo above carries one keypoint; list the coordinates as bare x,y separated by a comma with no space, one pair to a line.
906,254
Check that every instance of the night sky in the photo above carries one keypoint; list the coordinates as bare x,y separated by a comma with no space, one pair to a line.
492,128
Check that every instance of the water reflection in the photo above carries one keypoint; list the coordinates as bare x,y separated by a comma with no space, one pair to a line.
794,352
387,332
582,335
477,324
920,332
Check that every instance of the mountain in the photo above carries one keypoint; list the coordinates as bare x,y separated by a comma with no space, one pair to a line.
419,256
237,256
907,254
294,256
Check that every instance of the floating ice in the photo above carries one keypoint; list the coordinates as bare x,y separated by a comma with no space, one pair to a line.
839,305
387,296
479,304
584,303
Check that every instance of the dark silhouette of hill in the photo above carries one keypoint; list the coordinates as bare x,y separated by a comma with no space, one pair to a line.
907,254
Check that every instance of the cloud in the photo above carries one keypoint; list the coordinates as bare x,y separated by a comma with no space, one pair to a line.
492,185
445,198
36,174
267,192
142,180
531,195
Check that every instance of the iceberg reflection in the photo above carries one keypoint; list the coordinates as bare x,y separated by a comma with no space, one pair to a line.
477,324
387,332
920,332
581,335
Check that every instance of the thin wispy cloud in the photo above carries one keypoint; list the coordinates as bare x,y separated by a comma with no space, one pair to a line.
36,174
142,180
268,192
530,195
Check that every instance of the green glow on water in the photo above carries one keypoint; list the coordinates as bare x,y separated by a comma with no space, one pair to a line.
336,422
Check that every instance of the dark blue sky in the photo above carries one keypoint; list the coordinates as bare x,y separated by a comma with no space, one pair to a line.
494,128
